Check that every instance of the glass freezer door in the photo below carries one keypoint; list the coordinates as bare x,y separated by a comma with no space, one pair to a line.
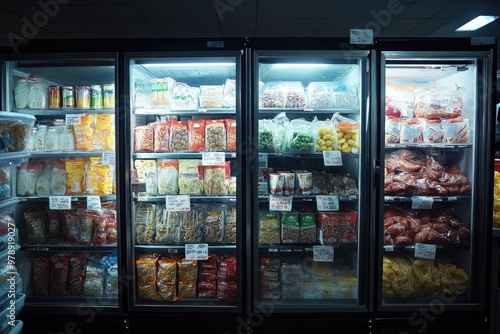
433,212
309,213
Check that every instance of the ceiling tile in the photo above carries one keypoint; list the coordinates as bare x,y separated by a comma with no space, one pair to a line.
419,33
158,12
119,12
184,34
168,26
196,12
33,13
203,25
238,33
305,24
432,25
207,34
331,33
141,34
62,27
76,35
107,2
421,10
272,24
110,34
136,26
391,33
454,11
82,13
403,24
301,33
243,11
343,24
44,34
228,25
270,33
98,26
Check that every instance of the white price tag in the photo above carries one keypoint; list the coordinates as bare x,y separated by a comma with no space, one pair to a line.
425,251
196,251
93,203
213,158
138,187
177,203
60,202
323,253
73,119
108,158
263,188
421,202
280,203
361,36
327,203
263,161
142,199
332,158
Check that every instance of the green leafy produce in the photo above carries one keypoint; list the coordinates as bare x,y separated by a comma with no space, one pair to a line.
302,142
266,141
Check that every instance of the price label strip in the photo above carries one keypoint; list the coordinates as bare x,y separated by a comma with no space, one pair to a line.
263,160
196,251
60,202
323,253
108,158
425,251
93,203
178,203
280,203
213,158
327,203
332,158
421,202
73,119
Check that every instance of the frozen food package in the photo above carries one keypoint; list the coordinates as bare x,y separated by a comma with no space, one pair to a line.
326,139
112,283
143,138
295,94
168,231
392,129
41,276
230,225
215,135
192,227
26,179
319,183
35,226
147,173
168,176
411,131
280,128
210,102
84,132
145,228
307,225
196,131
53,223
291,271
167,270
266,142
289,227
87,222
190,177
301,136
207,289
179,136
98,177
75,174
400,100
347,133
213,230
273,95
167,291
161,92
319,95
44,180
104,134
19,132
432,130
187,270
439,103
348,226
59,274
142,97
94,279
457,130
345,96
270,263
226,290
100,229
161,136
229,94
58,178
187,289
230,134
227,269
269,227
71,225
211,90
184,97
146,276
215,179
77,264
328,228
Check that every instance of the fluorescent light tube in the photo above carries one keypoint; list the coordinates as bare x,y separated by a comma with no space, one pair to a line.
207,64
477,23
297,65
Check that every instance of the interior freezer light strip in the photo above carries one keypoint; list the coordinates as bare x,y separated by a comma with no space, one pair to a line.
477,23
188,64
298,65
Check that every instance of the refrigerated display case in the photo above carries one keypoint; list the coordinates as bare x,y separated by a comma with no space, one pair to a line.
186,201
64,191
309,188
436,169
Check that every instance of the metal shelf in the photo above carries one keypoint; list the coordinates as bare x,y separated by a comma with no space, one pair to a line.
429,145
72,301
199,111
311,111
408,199
318,155
404,248
293,248
46,247
62,112
13,158
311,198
192,198
8,202
14,117
177,155
77,198
231,248
65,154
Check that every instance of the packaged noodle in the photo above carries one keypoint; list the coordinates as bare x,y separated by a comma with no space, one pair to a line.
231,134
192,226
215,179
104,135
190,177
179,136
143,138
145,222
167,270
26,179
184,96
146,172
84,132
188,270
215,135
213,230
75,172
44,179
146,276
98,177
161,136
168,176
167,291
168,231
196,130
230,226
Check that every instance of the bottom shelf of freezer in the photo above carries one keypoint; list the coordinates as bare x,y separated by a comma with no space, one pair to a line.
166,279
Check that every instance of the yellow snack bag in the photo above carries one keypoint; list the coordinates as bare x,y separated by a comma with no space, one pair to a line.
98,178
75,173
84,132
104,135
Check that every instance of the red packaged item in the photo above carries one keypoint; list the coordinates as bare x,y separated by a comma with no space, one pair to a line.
411,131
328,225
215,135
196,129
207,289
41,276
53,223
227,269
88,219
144,138
456,130
348,227
179,136
161,136
231,134
226,290
433,103
71,223
77,265
100,230
59,275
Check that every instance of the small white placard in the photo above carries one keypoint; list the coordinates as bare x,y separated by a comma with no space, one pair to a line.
213,158
73,119
138,187
177,203
280,203
327,203
332,158
196,251
93,203
263,161
425,251
421,202
323,253
60,202
108,158
361,36
142,199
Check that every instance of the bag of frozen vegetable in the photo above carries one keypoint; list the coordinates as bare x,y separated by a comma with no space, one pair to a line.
301,136
347,133
281,123
266,137
327,137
